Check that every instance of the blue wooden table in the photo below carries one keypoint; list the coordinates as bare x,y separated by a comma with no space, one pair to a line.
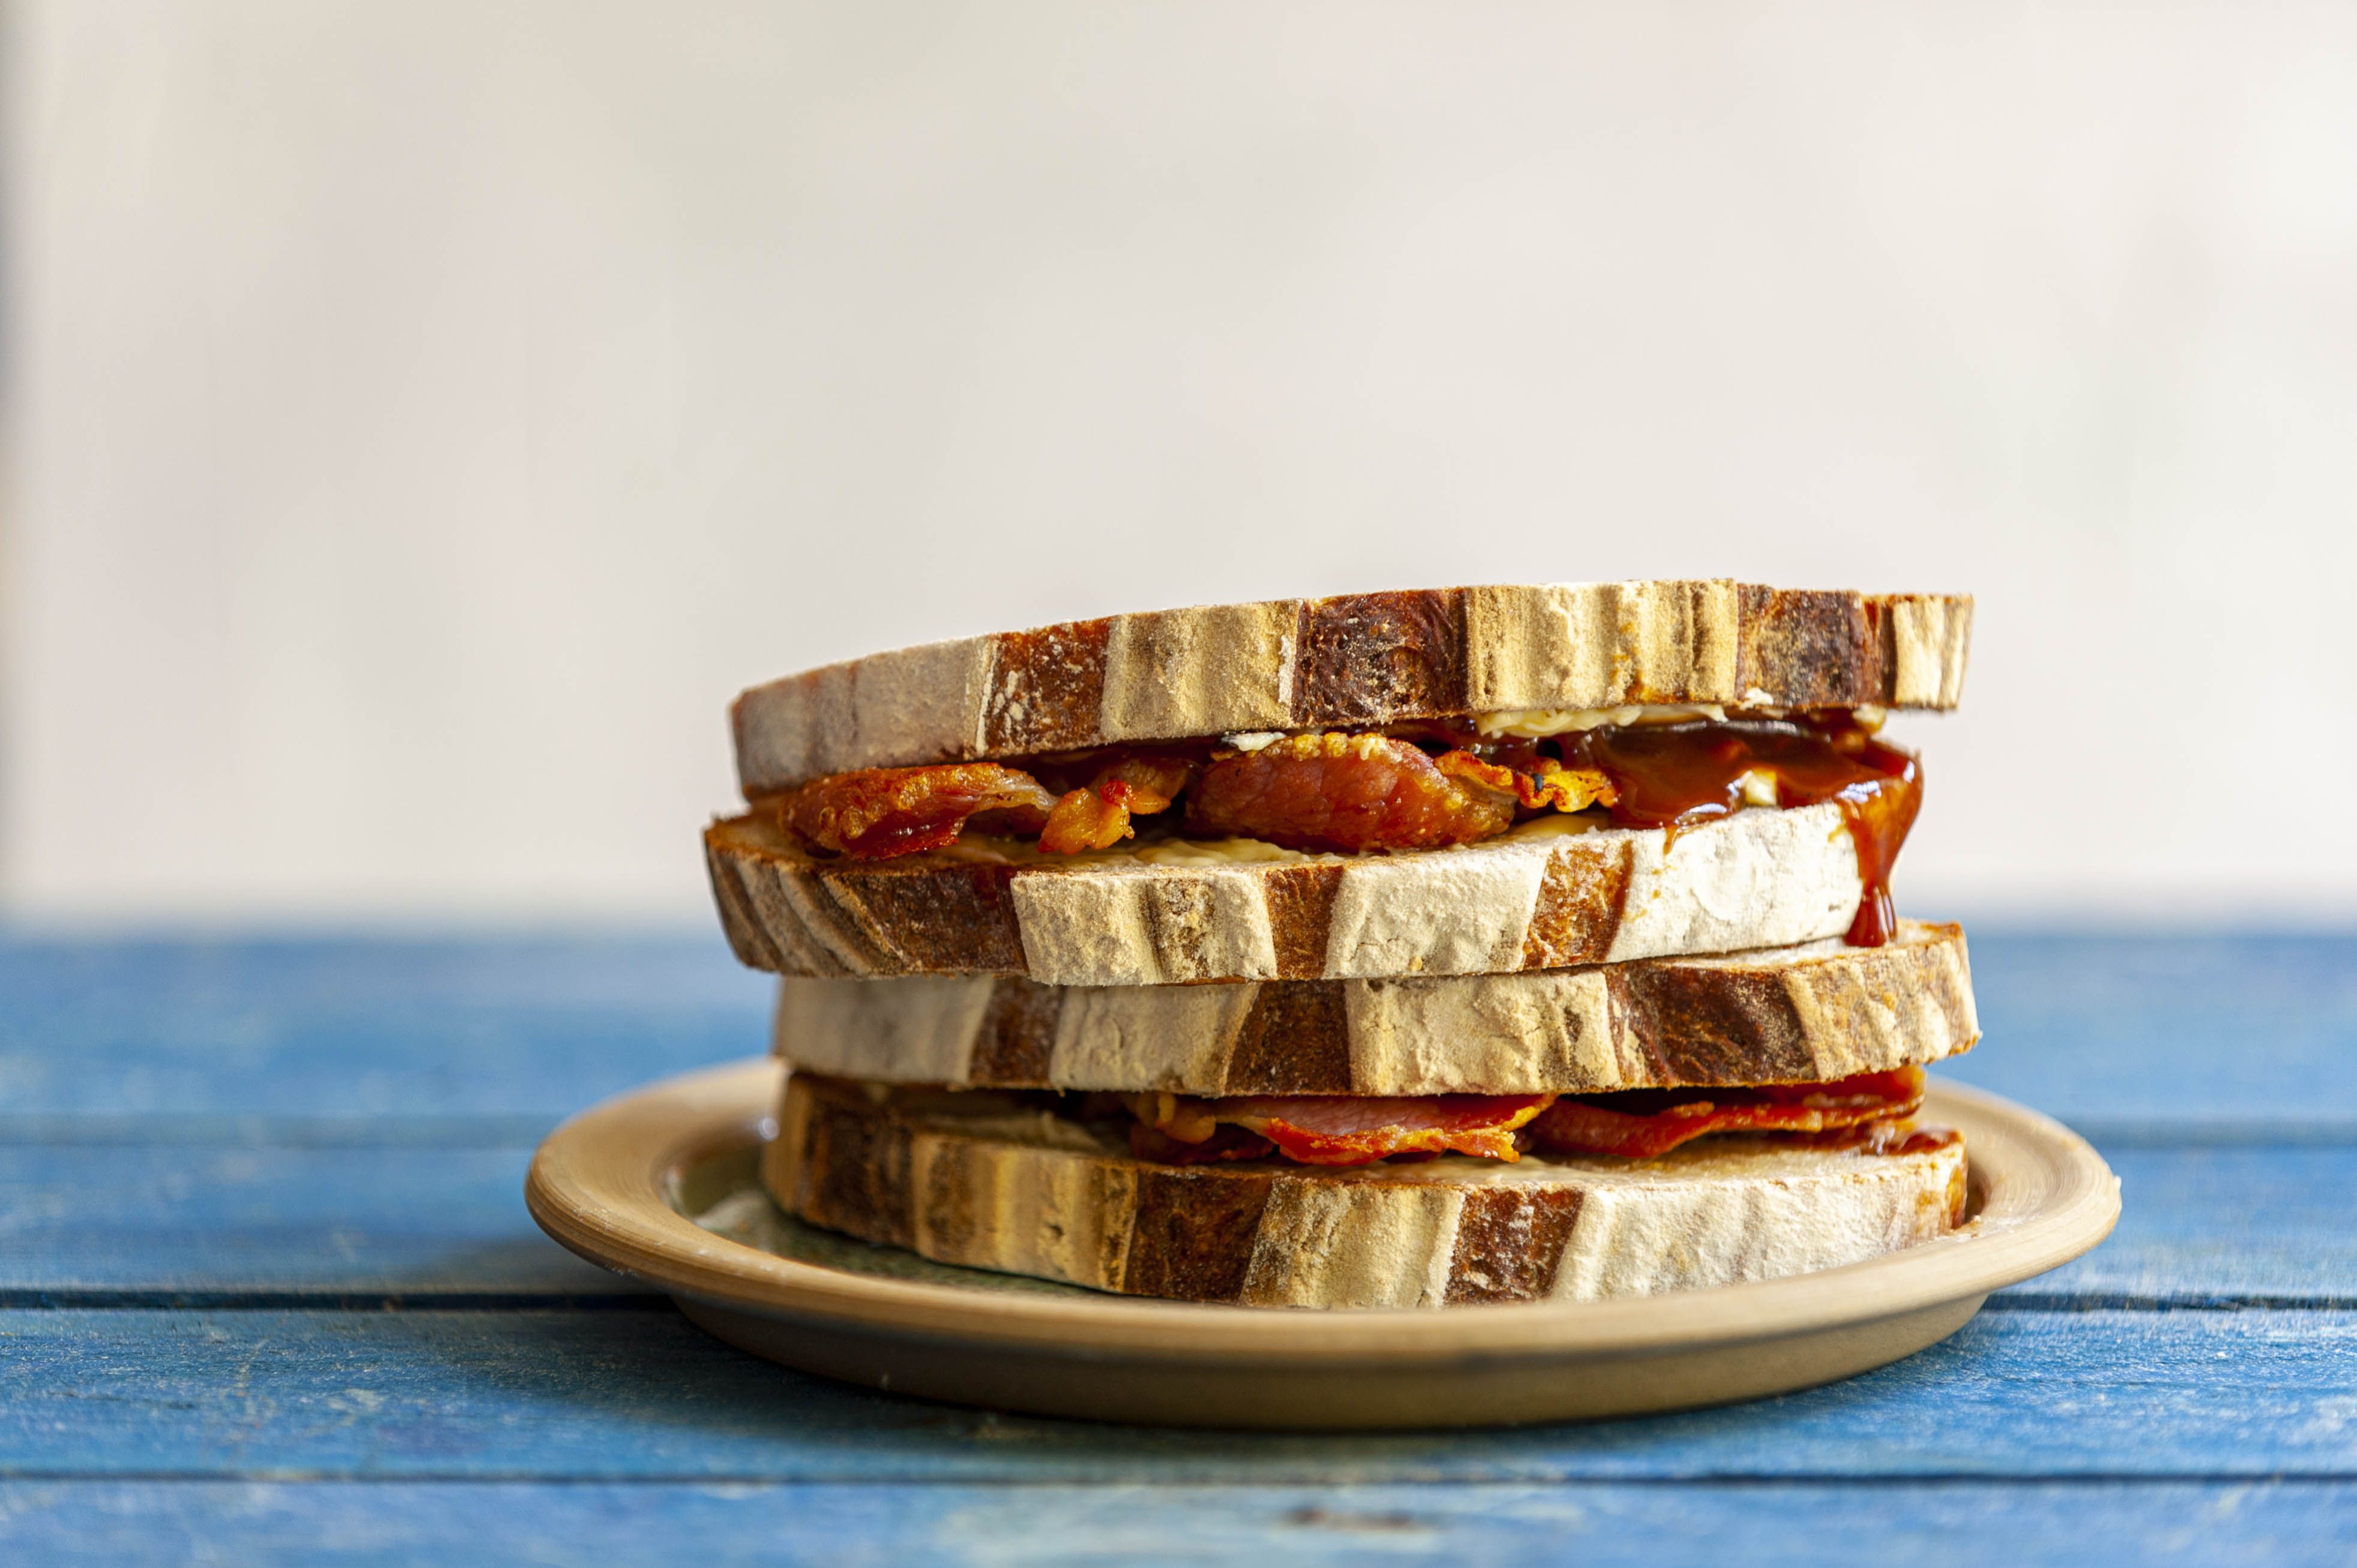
268,1293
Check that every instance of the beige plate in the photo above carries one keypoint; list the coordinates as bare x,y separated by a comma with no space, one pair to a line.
616,1184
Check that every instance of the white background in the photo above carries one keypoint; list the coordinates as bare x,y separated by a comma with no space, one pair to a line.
422,418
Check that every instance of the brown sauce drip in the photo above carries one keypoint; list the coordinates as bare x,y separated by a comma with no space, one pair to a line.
1675,776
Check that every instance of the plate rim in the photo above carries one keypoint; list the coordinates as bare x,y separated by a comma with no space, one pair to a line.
598,1186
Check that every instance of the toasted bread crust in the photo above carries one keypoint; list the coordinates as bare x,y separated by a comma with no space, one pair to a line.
1021,1193
1801,1015
1529,900
1363,658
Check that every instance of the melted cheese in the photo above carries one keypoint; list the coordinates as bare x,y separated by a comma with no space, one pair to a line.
1561,825
1212,852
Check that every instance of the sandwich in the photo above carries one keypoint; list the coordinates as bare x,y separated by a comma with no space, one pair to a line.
1398,950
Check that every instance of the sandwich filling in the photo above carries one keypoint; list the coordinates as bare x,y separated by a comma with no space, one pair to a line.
1350,1130
1870,1112
1426,785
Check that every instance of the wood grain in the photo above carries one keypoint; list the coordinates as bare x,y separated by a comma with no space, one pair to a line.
417,1225
645,1396
342,1034
2200,1524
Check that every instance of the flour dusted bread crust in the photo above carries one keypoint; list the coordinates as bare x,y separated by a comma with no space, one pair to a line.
1800,1014
1540,897
990,1184
1359,659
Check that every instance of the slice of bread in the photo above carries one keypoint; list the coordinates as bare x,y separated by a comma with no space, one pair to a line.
1795,1014
1540,897
1361,659
978,1180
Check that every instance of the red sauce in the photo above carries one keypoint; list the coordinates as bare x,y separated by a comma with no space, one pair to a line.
1674,776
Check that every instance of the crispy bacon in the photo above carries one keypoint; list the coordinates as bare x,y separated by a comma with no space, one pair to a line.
1357,792
1344,1130
1867,1112
1098,817
878,813
1153,781
1088,819
1641,1123
1547,783
1344,792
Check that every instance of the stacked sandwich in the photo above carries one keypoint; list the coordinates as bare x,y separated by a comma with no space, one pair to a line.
1398,950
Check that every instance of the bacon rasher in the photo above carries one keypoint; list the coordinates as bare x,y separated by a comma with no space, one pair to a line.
1345,792
1351,792
1338,1129
1641,1123
1150,1143
878,813
1547,782
1638,1124
1097,816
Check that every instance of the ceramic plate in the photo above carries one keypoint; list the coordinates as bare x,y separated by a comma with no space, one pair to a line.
624,1183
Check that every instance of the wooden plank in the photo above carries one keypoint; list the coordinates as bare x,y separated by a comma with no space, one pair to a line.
2114,1030
2260,1225
363,1028
418,1224
637,1395
2109,1030
2200,1224
1604,1526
